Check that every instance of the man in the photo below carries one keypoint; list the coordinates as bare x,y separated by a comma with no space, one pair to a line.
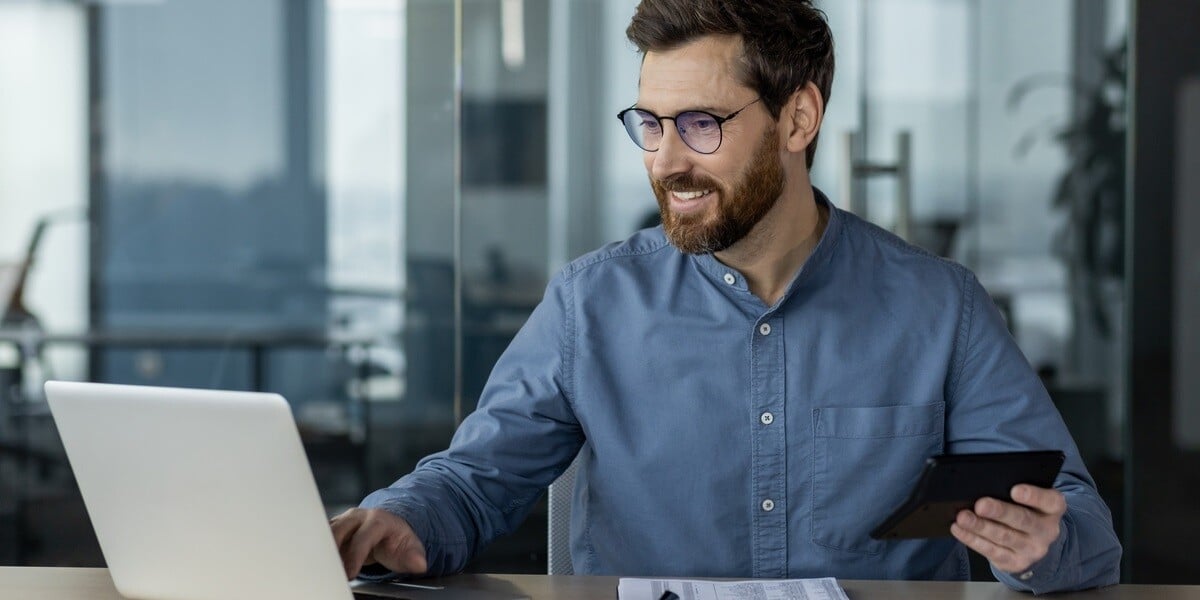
754,386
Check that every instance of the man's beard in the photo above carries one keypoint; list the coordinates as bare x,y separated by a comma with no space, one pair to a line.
736,212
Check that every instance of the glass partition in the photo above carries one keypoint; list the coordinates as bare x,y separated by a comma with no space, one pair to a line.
993,133
43,249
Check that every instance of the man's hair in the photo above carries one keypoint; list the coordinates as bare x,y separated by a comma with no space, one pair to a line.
786,43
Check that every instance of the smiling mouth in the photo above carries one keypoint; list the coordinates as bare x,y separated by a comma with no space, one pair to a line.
691,195
692,202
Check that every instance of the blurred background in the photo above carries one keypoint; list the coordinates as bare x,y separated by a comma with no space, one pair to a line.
356,203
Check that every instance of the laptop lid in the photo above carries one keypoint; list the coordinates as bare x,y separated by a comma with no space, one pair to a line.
198,494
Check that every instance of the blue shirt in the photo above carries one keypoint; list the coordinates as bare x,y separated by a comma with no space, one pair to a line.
723,437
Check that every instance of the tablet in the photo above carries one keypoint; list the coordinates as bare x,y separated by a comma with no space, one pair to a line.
953,482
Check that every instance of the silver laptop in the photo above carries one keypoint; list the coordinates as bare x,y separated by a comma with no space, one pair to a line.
202,495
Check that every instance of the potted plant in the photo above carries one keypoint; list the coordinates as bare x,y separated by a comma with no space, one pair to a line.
1091,190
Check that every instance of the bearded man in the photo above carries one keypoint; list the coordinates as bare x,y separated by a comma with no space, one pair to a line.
753,386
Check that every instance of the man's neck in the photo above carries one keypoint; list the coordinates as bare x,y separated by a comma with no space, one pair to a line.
771,254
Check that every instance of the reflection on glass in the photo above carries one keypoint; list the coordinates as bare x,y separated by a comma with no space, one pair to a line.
991,185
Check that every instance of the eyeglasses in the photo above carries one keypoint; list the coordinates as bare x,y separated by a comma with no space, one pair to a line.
700,130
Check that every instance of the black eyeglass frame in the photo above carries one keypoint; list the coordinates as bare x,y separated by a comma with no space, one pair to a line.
719,120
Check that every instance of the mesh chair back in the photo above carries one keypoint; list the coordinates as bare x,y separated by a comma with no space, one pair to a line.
558,556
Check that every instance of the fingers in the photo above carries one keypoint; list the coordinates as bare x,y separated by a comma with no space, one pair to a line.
1013,536
1011,515
367,536
1004,558
354,542
344,525
1007,548
1043,500
406,555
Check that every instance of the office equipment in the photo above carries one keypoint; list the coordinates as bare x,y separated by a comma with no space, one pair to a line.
953,482
639,588
201,495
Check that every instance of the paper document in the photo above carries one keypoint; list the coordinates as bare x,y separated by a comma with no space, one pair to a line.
757,589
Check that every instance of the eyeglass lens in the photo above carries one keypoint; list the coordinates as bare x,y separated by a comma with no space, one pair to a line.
699,130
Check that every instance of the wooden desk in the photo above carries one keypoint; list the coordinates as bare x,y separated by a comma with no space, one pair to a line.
94,584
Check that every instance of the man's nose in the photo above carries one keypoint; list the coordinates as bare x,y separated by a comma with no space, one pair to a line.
673,155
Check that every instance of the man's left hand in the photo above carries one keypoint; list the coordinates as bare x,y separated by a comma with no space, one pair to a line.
1013,536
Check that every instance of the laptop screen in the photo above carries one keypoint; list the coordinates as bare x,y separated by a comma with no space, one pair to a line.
198,494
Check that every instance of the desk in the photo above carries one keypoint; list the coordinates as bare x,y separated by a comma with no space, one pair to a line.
94,584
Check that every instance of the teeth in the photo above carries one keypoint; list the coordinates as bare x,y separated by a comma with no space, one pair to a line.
691,195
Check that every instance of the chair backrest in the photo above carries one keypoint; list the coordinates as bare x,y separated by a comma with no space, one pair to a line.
558,555
10,279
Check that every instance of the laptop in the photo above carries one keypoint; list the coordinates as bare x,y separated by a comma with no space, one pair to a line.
205,495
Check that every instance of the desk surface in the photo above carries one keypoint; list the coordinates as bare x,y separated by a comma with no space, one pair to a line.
94,584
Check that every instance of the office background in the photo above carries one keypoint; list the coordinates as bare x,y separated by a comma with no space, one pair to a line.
356,203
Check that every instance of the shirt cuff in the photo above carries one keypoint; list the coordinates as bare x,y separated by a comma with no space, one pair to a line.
1041,576
442,557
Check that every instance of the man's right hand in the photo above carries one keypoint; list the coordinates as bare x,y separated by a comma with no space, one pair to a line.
367,536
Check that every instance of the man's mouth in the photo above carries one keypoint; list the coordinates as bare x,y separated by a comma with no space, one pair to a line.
691,195
685,202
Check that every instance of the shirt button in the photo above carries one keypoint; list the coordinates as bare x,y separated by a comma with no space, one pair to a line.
765,329
1026,576
767,418
768,505
730,279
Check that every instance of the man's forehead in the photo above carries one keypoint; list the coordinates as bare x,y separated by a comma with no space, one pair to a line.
703,71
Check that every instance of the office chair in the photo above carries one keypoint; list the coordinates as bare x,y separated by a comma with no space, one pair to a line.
558,532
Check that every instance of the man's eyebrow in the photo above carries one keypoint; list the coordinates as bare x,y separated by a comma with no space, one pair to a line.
720,111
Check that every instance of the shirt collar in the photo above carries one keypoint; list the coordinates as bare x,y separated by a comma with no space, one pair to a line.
720,273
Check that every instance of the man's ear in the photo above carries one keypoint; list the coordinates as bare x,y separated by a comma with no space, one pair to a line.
801,117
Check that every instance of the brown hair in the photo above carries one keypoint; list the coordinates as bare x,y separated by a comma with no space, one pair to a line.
786,43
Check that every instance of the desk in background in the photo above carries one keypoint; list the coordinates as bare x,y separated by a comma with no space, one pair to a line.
333,415
94,584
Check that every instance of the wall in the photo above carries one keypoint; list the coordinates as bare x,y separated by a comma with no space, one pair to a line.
1163,475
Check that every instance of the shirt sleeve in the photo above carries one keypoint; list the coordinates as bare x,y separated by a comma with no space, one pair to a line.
996,402
523,434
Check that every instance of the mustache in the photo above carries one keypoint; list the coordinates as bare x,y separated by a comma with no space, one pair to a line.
685,182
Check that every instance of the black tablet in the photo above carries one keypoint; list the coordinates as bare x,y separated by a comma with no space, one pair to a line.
952,482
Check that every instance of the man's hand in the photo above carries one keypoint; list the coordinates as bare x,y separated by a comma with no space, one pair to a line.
367,536
1013,536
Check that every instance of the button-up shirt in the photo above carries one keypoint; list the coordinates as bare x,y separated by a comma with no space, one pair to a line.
718,436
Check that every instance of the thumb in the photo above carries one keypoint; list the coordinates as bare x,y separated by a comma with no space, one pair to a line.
406,557
414,560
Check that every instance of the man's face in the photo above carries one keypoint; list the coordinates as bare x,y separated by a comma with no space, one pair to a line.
709,201
706,225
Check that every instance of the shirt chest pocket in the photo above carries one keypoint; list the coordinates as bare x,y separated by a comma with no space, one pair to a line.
865,461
